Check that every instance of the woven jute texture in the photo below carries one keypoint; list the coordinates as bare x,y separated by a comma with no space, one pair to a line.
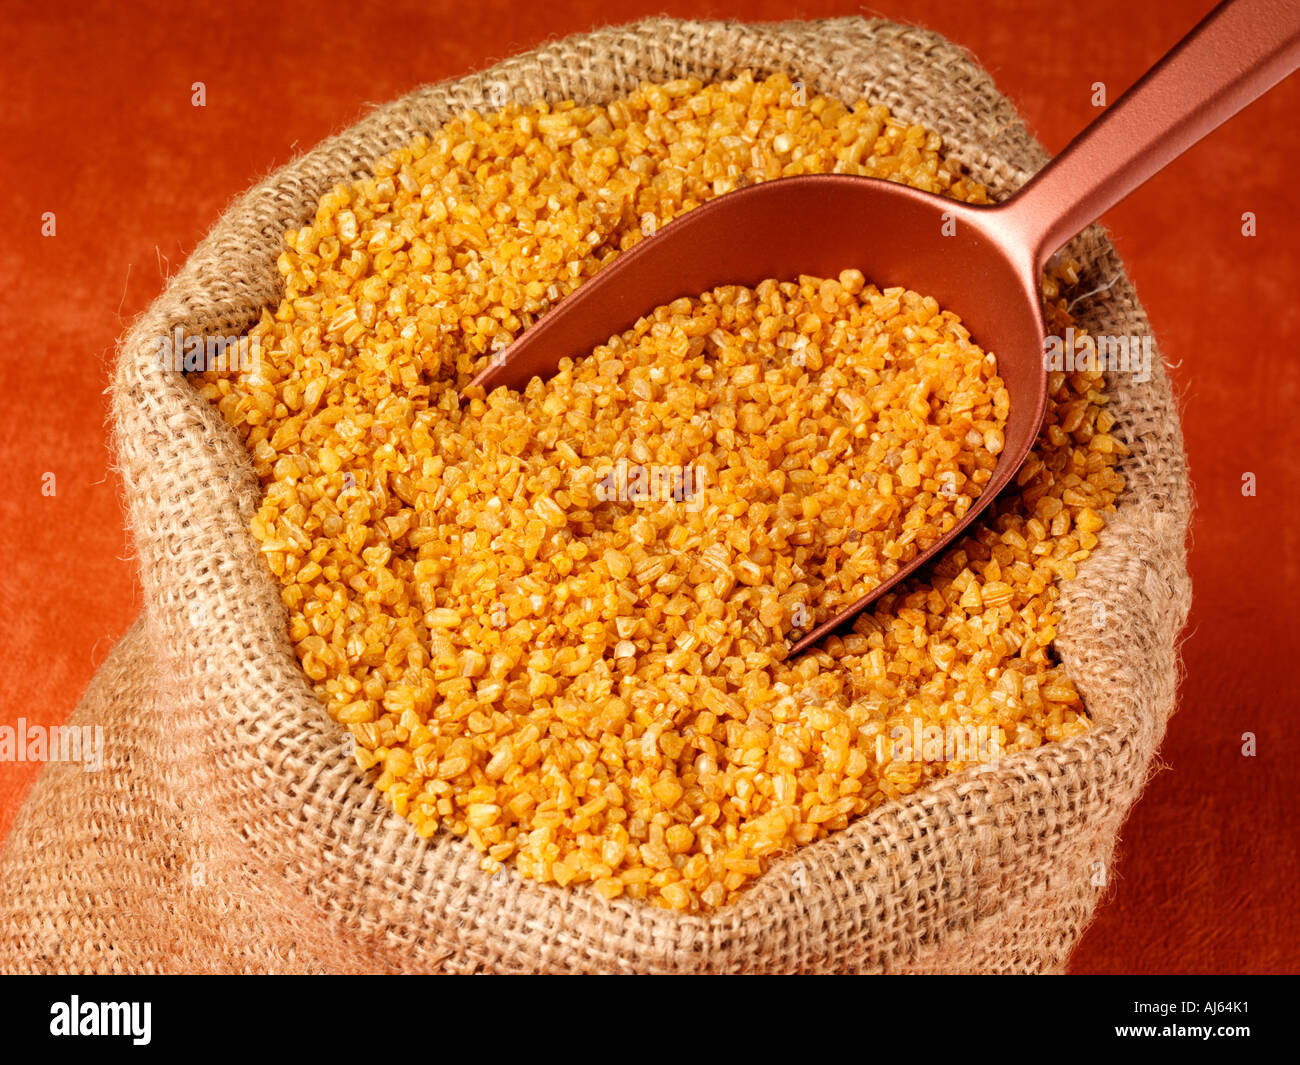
229,830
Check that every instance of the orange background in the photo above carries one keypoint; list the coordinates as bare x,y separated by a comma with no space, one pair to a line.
98,127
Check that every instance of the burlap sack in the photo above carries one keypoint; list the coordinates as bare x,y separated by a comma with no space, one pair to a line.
230,831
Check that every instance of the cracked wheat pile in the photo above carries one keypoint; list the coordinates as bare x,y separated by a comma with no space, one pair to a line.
555,620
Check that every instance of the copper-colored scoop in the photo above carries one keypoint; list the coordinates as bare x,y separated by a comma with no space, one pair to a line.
983,263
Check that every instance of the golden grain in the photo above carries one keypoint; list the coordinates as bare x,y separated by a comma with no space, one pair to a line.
539,638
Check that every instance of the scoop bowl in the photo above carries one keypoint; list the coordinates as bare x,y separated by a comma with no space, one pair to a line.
984,263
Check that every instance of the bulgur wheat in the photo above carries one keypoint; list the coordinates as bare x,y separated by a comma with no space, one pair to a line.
594,688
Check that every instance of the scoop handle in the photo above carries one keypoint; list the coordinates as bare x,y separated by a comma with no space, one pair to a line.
1235,54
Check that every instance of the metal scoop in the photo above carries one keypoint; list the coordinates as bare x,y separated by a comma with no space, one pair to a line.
982,263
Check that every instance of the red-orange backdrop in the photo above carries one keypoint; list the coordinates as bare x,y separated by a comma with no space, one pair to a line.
99,129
